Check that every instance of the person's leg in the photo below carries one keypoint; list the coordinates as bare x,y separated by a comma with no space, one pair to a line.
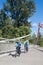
19,51
26,49
16,51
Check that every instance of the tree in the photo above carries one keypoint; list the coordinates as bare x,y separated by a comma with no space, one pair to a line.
20,10
8,31
40,41
14,17
0,33
25,30
33,39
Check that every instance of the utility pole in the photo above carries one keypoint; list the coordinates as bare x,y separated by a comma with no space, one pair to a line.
38,34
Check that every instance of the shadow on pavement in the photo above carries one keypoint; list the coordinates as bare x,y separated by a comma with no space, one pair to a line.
38,49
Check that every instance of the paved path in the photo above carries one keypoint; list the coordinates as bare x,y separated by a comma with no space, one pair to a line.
33,57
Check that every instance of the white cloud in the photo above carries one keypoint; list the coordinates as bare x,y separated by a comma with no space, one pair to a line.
34,24
29,20
34,28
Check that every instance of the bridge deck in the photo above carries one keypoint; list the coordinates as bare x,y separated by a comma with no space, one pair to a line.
33,57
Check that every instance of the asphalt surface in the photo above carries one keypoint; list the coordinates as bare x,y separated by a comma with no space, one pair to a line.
33,57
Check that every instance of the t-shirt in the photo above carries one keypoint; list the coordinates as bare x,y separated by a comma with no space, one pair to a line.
18,44
26,42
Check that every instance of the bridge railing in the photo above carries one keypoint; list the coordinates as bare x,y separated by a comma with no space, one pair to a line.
6,46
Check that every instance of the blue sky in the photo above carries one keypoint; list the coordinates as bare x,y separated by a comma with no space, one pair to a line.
1,3
36,18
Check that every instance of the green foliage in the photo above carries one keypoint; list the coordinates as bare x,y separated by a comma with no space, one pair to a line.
7,31
0,33
33,39
20,10
11,32
2,18
25,30
41,40
14,16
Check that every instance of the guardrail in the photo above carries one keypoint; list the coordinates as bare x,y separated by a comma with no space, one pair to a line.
14,39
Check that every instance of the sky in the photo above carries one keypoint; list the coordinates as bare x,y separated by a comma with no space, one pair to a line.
36,18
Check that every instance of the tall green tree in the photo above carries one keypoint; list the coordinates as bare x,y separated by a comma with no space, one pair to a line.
19,10
14,17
